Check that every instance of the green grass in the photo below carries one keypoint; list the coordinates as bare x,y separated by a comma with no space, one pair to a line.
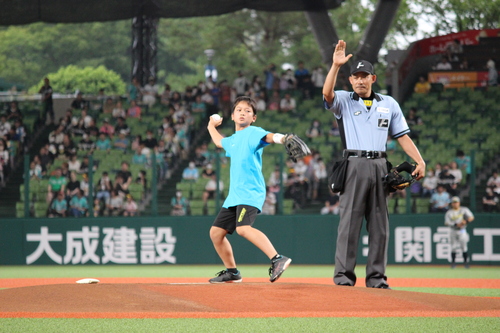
395,271
420,324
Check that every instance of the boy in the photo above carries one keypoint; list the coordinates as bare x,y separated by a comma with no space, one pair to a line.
247,190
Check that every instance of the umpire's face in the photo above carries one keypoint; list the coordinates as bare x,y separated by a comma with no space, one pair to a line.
362,83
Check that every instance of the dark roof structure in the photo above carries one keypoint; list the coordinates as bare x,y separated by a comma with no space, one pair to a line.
16,12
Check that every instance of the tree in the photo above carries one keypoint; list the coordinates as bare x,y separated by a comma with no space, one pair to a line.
448,16
87,80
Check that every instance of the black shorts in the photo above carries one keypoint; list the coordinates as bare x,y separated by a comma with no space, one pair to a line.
236,216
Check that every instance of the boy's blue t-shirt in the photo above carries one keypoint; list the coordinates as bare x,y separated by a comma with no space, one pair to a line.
247,185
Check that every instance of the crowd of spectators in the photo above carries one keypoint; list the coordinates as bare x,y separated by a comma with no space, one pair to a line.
12,138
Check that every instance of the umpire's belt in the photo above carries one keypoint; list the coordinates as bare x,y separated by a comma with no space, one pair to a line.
364,153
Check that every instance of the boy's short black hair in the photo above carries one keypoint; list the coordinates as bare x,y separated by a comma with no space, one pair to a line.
248,100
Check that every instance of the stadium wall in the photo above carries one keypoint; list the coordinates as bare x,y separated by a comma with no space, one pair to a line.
414,239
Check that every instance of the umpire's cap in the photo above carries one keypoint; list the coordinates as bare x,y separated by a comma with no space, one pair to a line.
362,66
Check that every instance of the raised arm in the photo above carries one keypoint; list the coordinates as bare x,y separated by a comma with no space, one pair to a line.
214,133
339,59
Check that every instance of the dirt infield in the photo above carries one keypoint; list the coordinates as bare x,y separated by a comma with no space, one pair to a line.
194,298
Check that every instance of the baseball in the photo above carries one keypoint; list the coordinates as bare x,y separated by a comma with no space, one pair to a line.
216,117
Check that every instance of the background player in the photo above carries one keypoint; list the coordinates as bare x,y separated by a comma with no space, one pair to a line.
457,218
365,120
247,190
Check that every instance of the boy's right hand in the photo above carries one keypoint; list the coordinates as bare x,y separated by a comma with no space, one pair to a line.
214,121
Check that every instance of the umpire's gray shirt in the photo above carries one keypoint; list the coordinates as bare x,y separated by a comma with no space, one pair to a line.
364,129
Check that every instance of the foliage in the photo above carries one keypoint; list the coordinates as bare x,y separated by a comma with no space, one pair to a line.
448,16
244,40
87,80
32,51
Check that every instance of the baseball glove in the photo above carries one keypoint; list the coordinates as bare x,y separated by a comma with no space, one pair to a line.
395,181
295,147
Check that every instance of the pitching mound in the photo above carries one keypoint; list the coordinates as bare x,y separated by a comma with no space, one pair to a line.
233,300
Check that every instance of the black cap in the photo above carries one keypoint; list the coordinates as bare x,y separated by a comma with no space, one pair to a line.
362,66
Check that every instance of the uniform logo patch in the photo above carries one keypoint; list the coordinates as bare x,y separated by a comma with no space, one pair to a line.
383,110
242,214
357,113
382,122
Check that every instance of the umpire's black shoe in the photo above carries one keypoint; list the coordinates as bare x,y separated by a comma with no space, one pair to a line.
382,285
278,266
226,277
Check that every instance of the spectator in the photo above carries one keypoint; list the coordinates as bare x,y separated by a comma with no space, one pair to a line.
463,163
287,104
334,129
492,73
130,207
142,180
444,64
208,172
126,175
331,205
106,128
269,207
318,79
191,172
134,111
74,164
59,206
456,172
84,184
274,181
14,113
57,183
104,188
274,101
440,200
103,143
118,111
139,157
179,205
314,130
68,147
260,102
319,175
121,125
108,106
86,144
422,86
134,90
199,106
490,201
211,188
448,180
115,206
122,142
73,186
98,208
118,187
429,184
494,182
150,141
241,84
48,104
4,126
270,77
79,205
165,95
79,103
35,171
454,50
150,92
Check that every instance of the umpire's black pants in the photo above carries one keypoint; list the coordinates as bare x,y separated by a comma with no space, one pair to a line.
364,197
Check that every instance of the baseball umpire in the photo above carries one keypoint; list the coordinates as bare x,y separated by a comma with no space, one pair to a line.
365,120
457,218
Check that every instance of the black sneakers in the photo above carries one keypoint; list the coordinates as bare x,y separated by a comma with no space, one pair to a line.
226,277
278,266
